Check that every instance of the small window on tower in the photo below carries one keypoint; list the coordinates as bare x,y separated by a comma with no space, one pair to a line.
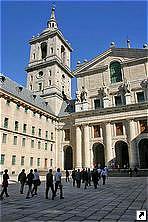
44,49
49,82
40,74
40,86
51,50
53,25
33,55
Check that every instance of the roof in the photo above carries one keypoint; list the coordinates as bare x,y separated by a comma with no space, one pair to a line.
23,93
68,107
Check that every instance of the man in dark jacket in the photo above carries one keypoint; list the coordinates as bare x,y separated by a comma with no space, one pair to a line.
5,185
49,184
29,181
22,179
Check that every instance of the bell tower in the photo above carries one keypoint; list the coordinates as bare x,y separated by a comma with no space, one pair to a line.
49,73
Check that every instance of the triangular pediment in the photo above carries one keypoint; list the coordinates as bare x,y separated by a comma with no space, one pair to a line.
103,60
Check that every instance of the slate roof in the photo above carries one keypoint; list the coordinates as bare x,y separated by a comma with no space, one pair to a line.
26,95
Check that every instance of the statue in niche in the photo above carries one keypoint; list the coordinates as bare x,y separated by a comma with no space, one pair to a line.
105,91
83,95
124,87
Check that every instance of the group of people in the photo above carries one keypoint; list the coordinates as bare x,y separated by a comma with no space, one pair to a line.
32,180
86,176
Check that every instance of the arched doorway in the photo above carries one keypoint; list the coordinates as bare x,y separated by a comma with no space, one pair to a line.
68,158
143,153
98,155
122,156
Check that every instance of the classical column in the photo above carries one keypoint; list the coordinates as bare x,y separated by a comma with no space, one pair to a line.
86,147
108,142
132,148
78,147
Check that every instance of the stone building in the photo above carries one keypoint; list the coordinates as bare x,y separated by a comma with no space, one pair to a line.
42,127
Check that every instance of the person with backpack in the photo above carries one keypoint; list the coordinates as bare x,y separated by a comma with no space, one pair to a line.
58,183
22,180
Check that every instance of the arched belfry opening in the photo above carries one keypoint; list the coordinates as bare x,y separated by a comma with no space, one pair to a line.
63,54
122,155
44,49
98,155
68,158
143,153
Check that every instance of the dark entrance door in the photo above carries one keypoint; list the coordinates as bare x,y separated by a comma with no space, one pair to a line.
98,155
68,158
143,153
122,156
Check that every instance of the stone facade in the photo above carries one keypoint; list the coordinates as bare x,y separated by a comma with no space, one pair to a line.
42,127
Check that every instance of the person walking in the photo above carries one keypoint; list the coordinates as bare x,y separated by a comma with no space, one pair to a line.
29,182
49,184
85,179
22,180
36,182
73,175
103,174
58,183
89,177
67,176
78,178
95,177
5,185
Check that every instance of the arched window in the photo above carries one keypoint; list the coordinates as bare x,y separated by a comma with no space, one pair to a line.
44,49
115,72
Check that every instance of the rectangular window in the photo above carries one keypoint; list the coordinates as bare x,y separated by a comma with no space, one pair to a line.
45,146
24,128
13,159
97,103
67,134
46,136
2,159
31,161
97,131
33,130
39,134
51,147
119,129
40,86
6,123
4,139
51,162
15,140
140,97
38,161
16,125
22,160
118,101
39,145
23,141
46,161
32,143
143,126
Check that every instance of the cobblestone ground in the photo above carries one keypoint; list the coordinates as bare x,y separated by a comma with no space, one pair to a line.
118,200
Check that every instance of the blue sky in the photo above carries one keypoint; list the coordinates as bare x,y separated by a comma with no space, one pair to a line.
90,27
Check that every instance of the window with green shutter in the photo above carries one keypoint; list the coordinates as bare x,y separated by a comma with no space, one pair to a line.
115,72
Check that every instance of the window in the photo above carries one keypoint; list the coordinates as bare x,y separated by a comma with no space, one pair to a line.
40,86
51,135
39,145
51,147
38,161
51,50
143,126
31,161
15,140
2,159
39,134
46,136
13,159
49,72
33,130
49,82
97,131
40,74
23,141
8,102
67,134
140,97
32,143
16,125
24,128
17,106
44,49
4,139
51,162
30,87
6,123
45,146
33,55
22,160
119,129
26,110
115,72
46,163
97,103
118,101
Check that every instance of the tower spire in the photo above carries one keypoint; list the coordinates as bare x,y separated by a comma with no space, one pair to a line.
52,23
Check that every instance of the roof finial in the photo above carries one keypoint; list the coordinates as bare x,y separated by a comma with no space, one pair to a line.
52,12
52,24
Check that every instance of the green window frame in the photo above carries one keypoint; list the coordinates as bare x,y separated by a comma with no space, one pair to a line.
4,138
16,125
115,72
6,122
2,159
13,159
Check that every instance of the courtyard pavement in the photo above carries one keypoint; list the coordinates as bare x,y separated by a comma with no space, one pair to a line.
118,200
